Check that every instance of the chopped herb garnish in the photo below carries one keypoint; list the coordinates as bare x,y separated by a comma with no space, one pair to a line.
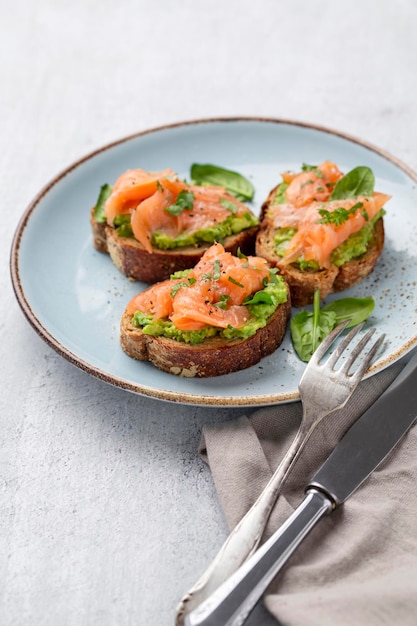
339,216
216,269
177,287
184,202
222,303
273,278
235,282
228,204
307,182
312,168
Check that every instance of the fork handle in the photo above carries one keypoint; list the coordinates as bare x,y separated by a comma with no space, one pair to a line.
231,603
245,537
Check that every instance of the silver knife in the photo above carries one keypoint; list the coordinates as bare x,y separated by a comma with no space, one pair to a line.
357,455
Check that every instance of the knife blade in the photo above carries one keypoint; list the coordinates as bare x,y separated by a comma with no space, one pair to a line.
362,449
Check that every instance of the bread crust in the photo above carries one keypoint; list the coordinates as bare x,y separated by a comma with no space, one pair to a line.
213,357
304,284
131,258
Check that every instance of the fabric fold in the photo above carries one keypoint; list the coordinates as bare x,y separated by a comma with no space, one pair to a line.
359,566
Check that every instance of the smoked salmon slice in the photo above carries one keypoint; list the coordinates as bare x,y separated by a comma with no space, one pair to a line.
130,188
156,300
160,202
212,293
318,233
314,184
320,223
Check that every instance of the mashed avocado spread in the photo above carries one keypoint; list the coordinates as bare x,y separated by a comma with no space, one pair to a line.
218,232
260,306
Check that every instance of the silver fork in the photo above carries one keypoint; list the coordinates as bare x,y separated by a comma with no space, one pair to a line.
245,537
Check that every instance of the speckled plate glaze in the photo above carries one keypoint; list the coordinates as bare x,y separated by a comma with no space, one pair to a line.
74,296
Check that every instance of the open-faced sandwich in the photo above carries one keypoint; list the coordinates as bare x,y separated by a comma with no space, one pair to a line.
322,229
153,224
222,316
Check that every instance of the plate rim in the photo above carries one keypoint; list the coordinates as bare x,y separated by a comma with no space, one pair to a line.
145,390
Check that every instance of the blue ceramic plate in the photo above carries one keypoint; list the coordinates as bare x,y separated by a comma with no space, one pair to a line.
74,296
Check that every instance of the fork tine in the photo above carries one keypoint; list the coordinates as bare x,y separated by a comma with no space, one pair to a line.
321,350
368,359
356,351
343,344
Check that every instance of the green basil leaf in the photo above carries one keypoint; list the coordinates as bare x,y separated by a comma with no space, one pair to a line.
99,214
305,332
259,297
355,309
233,182
358,182
309,328
316,320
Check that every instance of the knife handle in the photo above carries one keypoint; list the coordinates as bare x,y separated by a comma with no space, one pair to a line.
232,602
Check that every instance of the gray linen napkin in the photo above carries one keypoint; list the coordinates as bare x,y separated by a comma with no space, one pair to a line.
359,565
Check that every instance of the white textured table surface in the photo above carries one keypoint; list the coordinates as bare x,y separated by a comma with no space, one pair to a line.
107,515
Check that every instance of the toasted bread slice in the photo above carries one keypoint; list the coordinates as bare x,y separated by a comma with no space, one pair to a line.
213,357
303,284
131,258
